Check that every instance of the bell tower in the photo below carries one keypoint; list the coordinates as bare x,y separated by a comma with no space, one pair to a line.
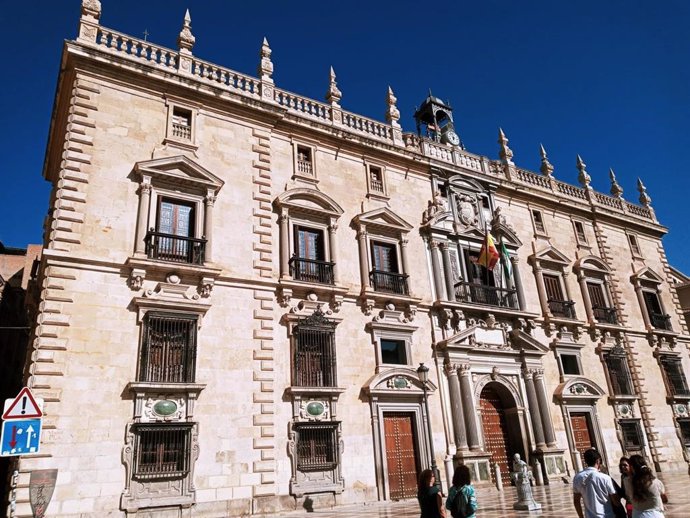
435,121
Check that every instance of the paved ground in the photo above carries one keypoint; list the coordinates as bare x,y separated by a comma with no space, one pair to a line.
556,502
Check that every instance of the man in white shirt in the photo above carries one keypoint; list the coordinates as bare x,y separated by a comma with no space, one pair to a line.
594,488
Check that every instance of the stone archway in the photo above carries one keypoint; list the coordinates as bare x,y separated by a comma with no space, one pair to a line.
501,428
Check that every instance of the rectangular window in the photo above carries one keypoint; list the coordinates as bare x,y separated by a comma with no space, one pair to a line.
162,451
538,222
182,124
675,377
174,236
314,364
684,425
580,232
168,350
600,305
316,446
619,373
571,367
657,317
305,163
308,263
552,283
634,245
632,437
393,352
385,257
376,179
386,275
309,243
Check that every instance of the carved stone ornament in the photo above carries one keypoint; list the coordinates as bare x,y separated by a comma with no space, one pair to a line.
333,95
185,40
392,113
467,210
579,389
166,409
399,383
266,65
206,286
625,411
681,410
91,8
495,372
314,410
435,206
136,278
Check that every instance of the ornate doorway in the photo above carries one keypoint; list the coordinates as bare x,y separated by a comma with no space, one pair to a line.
401,454
497,436
582,432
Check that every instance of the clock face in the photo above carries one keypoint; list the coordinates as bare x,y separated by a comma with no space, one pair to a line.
451,137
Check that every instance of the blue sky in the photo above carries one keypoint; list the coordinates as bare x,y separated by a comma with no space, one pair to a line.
608,80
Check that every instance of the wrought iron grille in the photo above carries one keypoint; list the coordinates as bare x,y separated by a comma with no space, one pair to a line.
389,282
168,352
632,437
314,364
619,374
603,314
562,308
175,249
316,446
311,270
483,294
162,450
675,377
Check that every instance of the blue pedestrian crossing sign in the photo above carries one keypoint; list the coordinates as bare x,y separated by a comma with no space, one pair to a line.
20,437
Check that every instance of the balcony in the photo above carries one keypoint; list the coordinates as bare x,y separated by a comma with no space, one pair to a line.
660,321
311,270
482,294
389,282
562,308
175,249
605,315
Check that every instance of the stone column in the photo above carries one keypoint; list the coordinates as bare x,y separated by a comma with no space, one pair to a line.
541,288
470,415
144,200
333,248
436,271
403,254
518,283
456,406
643,306
284,245
582,280
448,270
208,226
534,410
547,423
363,263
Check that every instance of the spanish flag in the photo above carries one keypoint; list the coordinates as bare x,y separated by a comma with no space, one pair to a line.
488,255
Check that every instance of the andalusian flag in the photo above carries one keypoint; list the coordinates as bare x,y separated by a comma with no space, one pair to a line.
505,259
488,255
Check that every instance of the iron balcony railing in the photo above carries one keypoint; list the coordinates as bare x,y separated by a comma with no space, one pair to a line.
606,315
311,270
660,321
562,308
389,282
483,294
176,249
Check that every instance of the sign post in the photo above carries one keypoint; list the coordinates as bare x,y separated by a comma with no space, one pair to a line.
21,425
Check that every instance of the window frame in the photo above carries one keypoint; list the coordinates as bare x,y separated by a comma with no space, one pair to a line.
191,347
575,356
172,104
614,381
329,361
299,174
538,221
371,191
186,460
628,448
664,361
580,238
332,429
635,248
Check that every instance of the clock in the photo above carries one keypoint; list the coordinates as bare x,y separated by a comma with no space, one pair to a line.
450,137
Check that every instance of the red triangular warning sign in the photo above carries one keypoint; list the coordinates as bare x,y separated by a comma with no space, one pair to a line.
24,406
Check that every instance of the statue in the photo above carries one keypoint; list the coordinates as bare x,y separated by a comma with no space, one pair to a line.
522,477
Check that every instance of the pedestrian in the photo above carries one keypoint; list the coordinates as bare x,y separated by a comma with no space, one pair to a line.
429,496
648,492
461,501
594,489
626,472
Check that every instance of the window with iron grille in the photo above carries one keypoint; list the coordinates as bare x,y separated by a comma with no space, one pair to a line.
684,425
675,377
314,362
632,437
317,446
168,350
619,373
162,450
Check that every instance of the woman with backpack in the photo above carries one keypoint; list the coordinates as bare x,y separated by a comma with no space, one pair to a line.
462,502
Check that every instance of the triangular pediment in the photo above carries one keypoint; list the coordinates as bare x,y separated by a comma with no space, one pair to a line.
527,343
551,254
480,336
309,200
179,170
383,217
647,274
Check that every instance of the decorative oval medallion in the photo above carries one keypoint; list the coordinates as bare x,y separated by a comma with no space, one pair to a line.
315,408
400,382
165,407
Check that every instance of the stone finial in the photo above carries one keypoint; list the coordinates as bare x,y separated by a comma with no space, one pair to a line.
91,8
644,197
583,177
506,153
185,41
333,95
392,113
266,65
616,189
546,167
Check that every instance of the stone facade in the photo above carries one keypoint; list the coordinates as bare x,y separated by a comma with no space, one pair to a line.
238,284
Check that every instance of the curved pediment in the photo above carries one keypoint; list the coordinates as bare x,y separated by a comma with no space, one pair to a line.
397,381
465,184
550,254
382,217
591,263
578,389
309,200
647,274
180,171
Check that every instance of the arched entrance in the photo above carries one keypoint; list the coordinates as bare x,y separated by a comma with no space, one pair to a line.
501,428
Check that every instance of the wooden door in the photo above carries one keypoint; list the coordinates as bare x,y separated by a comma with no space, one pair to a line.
496,438
401,455
582,433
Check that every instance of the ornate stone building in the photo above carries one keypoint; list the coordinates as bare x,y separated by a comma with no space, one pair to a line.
238,285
